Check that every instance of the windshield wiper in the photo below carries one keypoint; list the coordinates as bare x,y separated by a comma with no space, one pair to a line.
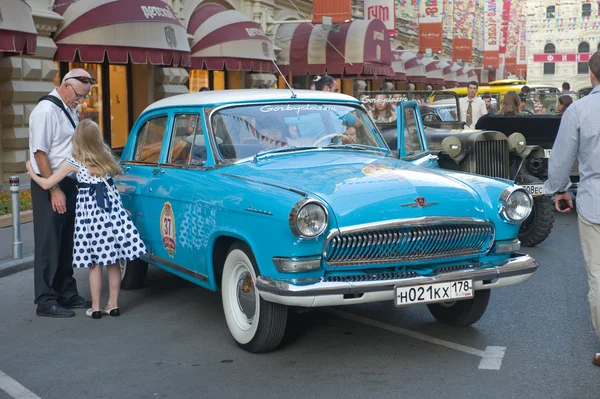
361,147
283,149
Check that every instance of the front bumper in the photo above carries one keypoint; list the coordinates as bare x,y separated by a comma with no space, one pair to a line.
515,270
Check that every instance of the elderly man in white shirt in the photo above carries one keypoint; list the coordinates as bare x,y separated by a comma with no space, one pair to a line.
471,108
51,126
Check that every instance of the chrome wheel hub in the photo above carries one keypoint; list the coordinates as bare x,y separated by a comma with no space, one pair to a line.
246,295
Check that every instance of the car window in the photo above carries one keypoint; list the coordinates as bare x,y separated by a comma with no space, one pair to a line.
412,139
187,142
149,140
244,131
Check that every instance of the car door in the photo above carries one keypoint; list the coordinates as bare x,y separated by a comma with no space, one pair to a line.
139,160
412,142
171,192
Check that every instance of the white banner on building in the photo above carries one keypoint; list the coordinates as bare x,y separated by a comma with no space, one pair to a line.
383,10
492,11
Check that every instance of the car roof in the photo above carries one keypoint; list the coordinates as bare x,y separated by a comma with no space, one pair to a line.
245,96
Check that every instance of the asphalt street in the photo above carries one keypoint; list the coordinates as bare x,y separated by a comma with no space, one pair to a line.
172,342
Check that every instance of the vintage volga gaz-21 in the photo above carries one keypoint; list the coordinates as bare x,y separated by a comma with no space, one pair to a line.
281,199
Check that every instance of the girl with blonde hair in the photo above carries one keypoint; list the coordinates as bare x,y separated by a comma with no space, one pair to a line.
382,111
104,233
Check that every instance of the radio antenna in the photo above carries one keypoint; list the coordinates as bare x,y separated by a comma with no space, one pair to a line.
282,75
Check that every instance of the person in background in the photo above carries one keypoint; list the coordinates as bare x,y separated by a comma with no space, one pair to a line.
104,233
566,87
471,107
204,89
522,105
511,104
51,128
578,139
487,98
563,103
538,104
383,112
313,85
327,83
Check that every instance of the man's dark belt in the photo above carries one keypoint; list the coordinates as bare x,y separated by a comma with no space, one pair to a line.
101,192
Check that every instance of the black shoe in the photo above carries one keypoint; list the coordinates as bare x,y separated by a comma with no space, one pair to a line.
54,311
76,302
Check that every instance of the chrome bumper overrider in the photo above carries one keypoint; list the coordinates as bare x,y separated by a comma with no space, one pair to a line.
512,271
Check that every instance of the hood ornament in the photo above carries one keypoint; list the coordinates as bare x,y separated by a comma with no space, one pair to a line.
419,202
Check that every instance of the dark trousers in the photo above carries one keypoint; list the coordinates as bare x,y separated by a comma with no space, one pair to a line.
53,235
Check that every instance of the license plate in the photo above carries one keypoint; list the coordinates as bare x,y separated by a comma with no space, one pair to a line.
436,292
534,189
547,153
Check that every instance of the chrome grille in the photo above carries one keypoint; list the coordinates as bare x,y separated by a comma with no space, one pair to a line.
491,158
408,243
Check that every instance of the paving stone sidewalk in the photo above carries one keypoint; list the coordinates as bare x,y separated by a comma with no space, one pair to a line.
8,265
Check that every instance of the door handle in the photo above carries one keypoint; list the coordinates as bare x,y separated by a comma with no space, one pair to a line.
156,171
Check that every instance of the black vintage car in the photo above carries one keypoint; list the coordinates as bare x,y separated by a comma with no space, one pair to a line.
485,151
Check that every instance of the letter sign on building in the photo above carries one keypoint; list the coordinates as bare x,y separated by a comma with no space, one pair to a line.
384,10
557,57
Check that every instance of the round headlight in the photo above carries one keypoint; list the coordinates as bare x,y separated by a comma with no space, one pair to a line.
308,219
517,204
452,146
517,142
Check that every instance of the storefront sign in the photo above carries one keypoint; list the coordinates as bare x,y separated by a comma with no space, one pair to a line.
574,57
383,10
462,23
462,49
150,12
505,21
430,25
491,48
511,64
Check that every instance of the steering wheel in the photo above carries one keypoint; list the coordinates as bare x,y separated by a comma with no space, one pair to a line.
328,136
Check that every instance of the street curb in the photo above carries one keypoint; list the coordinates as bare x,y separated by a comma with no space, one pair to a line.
13,266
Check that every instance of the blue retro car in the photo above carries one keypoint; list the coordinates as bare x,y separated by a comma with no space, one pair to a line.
293,199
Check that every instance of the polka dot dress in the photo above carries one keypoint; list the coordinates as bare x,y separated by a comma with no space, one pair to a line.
102,236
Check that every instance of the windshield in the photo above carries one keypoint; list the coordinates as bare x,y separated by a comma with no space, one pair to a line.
245,131
540,103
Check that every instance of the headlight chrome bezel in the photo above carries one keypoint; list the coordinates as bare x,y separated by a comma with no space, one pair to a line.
504,198
293,218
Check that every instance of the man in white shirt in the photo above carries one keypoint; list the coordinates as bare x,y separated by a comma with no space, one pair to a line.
51,126
471,107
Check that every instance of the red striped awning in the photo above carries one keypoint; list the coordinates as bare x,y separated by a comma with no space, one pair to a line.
415,70
472,73
435,73
355,48
449,74
17,30
228,39
140,31
398,66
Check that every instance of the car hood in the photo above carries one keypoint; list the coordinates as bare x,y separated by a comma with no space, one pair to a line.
364,188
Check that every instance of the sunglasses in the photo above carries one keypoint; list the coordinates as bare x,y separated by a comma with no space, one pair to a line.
83,79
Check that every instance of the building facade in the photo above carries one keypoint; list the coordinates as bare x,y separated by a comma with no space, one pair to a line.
562,35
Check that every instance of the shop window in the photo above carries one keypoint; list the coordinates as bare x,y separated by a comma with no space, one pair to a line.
218,80
549,67
583,67
550,12
109,104
198,79
119,106
149,140
586,10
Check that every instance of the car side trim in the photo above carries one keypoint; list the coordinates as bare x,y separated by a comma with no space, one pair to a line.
150,258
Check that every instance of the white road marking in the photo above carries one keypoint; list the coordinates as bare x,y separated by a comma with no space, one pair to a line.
14,389
491,357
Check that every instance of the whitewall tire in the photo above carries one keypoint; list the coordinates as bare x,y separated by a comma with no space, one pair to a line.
255,324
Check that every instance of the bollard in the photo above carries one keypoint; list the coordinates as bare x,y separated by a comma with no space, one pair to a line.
13,182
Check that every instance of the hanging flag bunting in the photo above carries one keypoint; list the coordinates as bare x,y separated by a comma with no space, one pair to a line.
462,27
430,25
505,22
383,10
491,47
